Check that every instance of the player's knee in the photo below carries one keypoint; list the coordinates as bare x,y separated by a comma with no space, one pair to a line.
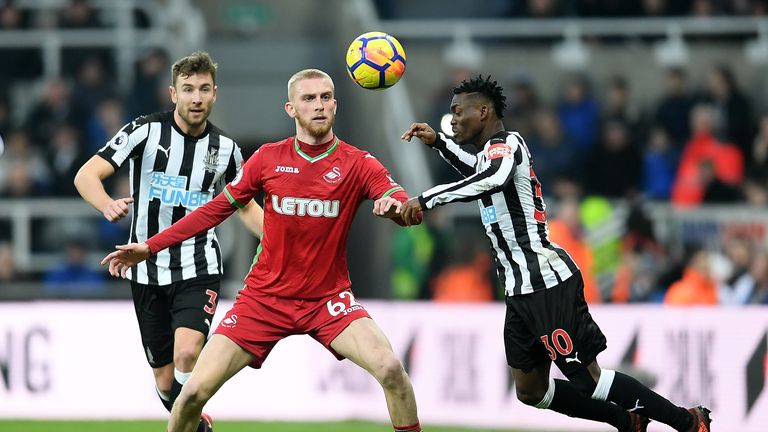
185,358
390,372
195,394
531,395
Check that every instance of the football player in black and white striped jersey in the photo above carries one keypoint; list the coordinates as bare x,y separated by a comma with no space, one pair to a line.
177,160
547,318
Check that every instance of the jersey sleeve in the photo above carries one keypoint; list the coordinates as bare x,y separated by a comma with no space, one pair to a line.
235,164
247,182
128,143
461,160
502,156
378,182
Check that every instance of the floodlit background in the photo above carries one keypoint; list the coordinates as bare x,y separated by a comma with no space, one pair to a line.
648,125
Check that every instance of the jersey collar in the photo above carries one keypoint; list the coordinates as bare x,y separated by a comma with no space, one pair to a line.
318,157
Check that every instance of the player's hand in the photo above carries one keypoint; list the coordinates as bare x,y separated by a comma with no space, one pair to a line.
422,131
125,257
410,211
387,207
117,209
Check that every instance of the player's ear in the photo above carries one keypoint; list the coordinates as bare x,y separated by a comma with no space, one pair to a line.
215,91
290,110
172,92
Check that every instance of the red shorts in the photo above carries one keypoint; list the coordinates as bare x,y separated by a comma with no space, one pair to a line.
257,322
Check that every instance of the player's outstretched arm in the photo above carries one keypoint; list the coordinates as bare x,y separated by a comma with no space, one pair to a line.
125,257
88,182
411,211
252,216
387,207
422,131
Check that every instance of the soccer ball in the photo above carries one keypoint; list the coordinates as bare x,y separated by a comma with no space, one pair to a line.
375,60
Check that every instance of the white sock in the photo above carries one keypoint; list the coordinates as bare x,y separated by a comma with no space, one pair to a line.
181,377
548,396
163,395
604,384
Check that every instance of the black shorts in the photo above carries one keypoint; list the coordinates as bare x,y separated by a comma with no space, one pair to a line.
160,310
552,325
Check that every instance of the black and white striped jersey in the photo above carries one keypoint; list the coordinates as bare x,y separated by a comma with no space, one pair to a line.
172,174
512,209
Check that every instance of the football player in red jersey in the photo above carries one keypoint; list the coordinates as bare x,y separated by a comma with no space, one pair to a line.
299,283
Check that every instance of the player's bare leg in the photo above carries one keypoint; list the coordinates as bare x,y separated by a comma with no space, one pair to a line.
365,344
163,383
535,388
219,361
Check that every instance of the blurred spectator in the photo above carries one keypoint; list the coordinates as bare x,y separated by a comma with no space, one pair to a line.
734,111
20,183
19,151
642,257
596,213
54,109
579,113
79,14
91,87
522,106
674,110
466,279
66,157
18,63
566,231
9,272
737,288
759,272
659,165
757,164
554,154
545,8
107,121
608,8
74,277
697,287
614,169
619,105
715,190
412,252
150,88
755,193
727,158
5,115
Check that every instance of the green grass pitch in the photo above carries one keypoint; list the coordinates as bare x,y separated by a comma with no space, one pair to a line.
221,426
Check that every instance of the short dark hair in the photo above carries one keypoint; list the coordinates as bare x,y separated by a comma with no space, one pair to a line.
490,89
195,63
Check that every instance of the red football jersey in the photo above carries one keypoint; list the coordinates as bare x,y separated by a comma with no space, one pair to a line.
309,204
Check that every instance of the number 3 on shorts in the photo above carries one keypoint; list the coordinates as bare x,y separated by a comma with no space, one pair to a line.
336,308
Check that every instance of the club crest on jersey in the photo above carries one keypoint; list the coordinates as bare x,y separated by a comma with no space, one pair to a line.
211,160
332,176
499,150
119,140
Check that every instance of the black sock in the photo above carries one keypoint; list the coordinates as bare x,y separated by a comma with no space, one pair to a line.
628,393
175,390
167,403
570,401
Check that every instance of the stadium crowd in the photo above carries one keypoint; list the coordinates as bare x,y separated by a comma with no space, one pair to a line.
593,146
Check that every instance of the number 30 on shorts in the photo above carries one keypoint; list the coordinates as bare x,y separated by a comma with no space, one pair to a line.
561,343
